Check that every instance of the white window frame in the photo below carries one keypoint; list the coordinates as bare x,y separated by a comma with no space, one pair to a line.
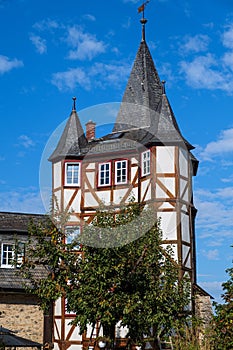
7,264
104,173
145,163
73,182
122,169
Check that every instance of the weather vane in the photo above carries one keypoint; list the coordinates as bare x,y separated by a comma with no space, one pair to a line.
142,8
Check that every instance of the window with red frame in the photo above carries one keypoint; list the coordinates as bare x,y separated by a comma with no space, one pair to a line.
104,178
121,169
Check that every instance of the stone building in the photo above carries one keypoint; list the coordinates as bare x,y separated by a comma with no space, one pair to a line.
19,311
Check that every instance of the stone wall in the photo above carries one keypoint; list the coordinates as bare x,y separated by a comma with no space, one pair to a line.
204,312
20,312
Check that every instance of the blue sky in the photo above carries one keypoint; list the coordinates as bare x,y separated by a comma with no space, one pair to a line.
53,50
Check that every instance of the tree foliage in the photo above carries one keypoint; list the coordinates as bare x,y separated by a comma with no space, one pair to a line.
223,319
135,283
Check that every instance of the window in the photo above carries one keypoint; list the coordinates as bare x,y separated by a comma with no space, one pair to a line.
121,172
145,163
7,255
104,174
72,233
72,174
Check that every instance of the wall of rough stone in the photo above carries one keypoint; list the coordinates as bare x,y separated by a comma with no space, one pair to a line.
204,312
20,312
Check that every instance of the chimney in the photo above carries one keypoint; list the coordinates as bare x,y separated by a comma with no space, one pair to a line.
90,130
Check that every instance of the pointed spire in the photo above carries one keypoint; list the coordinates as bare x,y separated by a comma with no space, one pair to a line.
72,141
143,89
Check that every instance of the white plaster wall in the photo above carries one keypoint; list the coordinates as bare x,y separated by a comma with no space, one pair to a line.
166,205
183,162
119,194
144,185
168,225
169,184
121,331
134,193
134,160
91,178
57,307
185,229
57,195
76,347
68,193
165,159
90,201
184,194
75,205
185,253
75,335
57,174
133,173
91,166
104,196
57,329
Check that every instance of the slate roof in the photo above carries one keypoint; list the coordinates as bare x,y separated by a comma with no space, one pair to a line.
18,222
72,141
144,89
12,280
8,339
145,116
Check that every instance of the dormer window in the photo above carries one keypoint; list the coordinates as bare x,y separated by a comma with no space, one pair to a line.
145,163
72,174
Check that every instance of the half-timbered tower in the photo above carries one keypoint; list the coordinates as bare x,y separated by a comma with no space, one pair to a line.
145,156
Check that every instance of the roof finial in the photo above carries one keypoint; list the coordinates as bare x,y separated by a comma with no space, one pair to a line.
163,87
143,20
74,103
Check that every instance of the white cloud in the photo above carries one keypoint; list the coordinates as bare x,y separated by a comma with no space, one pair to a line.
228,59
68,80
227,37
89,17
212,254
23,200
47,24
85,45
39,43
195,43
25,141
99,75
215,212
7,64
110,74
203,73
223,145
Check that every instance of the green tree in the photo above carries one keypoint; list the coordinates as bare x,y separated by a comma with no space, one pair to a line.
223,319
135,283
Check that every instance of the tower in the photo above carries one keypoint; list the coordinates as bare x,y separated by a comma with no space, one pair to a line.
145,155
